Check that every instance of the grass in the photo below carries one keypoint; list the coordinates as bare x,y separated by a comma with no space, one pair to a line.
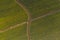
47,28
11,13
18,33
40,7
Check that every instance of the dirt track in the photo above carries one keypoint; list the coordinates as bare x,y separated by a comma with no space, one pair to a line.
14,26
29,19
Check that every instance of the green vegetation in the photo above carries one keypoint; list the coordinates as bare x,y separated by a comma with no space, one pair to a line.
41,7
11,13
18,33
46,28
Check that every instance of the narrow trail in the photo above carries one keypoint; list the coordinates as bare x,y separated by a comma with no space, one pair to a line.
47,14
29,19
17,25
12,27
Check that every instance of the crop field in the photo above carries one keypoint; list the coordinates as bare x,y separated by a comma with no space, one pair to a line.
29,19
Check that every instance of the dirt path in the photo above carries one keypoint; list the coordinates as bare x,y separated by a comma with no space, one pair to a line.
17,25
49,13
12,27
29,20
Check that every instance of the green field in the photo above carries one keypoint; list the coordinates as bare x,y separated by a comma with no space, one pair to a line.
11,13
45,28
18,33
40,7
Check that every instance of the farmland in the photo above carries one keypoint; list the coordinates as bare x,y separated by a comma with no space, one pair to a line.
11,14
41,7
45,19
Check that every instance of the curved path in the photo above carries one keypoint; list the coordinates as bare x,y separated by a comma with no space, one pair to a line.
29,18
